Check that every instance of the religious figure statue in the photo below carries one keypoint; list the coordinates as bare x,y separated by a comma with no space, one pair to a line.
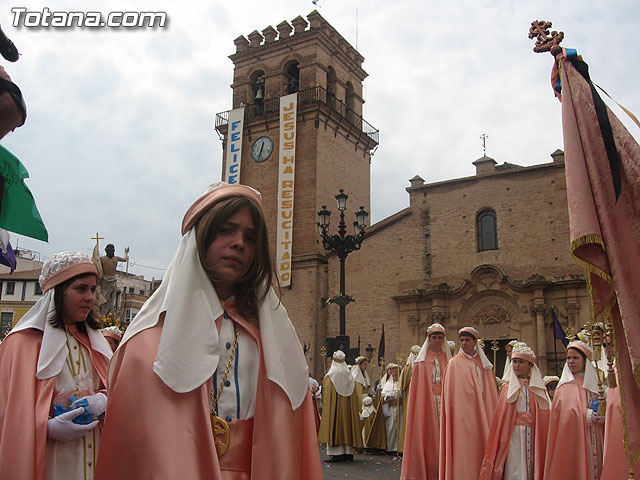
109,263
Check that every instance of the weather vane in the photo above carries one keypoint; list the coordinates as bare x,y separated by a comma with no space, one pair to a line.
545,42
484,137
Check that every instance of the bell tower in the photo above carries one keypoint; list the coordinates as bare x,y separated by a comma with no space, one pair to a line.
333,147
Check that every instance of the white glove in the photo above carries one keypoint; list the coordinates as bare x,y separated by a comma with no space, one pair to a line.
63,429
96,403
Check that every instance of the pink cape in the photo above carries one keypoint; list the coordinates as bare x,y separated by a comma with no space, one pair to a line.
420,458
604,232
153,432
615,465
466,417
567,449
25,403
504,421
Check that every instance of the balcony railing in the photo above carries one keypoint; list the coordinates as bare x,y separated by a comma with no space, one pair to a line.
309,95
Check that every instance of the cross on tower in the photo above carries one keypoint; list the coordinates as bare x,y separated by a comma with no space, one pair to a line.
483,137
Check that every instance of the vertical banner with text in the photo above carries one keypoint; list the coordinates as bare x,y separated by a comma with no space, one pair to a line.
234,145
286,178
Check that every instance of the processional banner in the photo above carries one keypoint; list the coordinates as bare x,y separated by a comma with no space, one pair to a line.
234,146
286,178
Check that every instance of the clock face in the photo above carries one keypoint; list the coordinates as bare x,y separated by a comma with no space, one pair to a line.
261,149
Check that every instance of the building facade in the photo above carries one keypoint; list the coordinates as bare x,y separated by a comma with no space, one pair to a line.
20,290
490,250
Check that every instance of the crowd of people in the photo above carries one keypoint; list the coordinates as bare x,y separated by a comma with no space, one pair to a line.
452,418
210,381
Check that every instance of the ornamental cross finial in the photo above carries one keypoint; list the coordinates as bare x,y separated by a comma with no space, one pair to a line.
544,41
97,238
484,137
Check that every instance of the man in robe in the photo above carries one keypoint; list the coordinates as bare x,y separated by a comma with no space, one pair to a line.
376,438
392,408
109,264
405,383
518,437
420,458
574,443
452,347
361,376
340,426
551,383
469,398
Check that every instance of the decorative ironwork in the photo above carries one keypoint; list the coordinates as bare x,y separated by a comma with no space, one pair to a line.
342,245
544,40
306,96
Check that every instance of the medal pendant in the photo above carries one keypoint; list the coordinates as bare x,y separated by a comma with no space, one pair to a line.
221,434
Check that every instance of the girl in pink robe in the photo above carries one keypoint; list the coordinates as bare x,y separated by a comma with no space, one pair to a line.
518,437
54,352
213,340
574,443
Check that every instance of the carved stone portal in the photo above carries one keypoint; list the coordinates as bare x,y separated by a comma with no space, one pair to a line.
493,315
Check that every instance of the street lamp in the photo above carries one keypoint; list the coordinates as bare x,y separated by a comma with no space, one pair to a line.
369,351
342,245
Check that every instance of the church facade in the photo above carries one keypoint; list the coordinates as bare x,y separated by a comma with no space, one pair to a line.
491,250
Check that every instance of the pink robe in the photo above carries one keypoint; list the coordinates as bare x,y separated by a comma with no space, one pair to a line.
615,465
153,432
25,403
567,443
505,419
467,412
420,457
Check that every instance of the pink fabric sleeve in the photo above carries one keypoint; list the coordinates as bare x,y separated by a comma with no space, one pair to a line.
25,403
150,431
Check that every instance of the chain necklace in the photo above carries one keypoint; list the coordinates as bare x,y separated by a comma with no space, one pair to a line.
218,425
69,361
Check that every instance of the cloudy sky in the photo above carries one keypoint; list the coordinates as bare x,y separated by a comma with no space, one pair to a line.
119,137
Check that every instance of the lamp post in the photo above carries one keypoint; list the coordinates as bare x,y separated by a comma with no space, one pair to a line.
369,351
342,245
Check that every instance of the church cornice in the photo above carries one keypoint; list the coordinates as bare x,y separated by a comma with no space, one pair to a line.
416,187
387,222
490,277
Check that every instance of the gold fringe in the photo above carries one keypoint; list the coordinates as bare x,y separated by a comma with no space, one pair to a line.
587,239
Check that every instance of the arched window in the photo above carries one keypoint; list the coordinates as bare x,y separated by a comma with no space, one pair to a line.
292,76
331,86
257,86
487,225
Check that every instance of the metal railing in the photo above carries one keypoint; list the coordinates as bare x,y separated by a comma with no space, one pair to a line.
309,95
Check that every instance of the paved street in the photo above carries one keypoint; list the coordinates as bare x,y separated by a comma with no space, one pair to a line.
363,467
